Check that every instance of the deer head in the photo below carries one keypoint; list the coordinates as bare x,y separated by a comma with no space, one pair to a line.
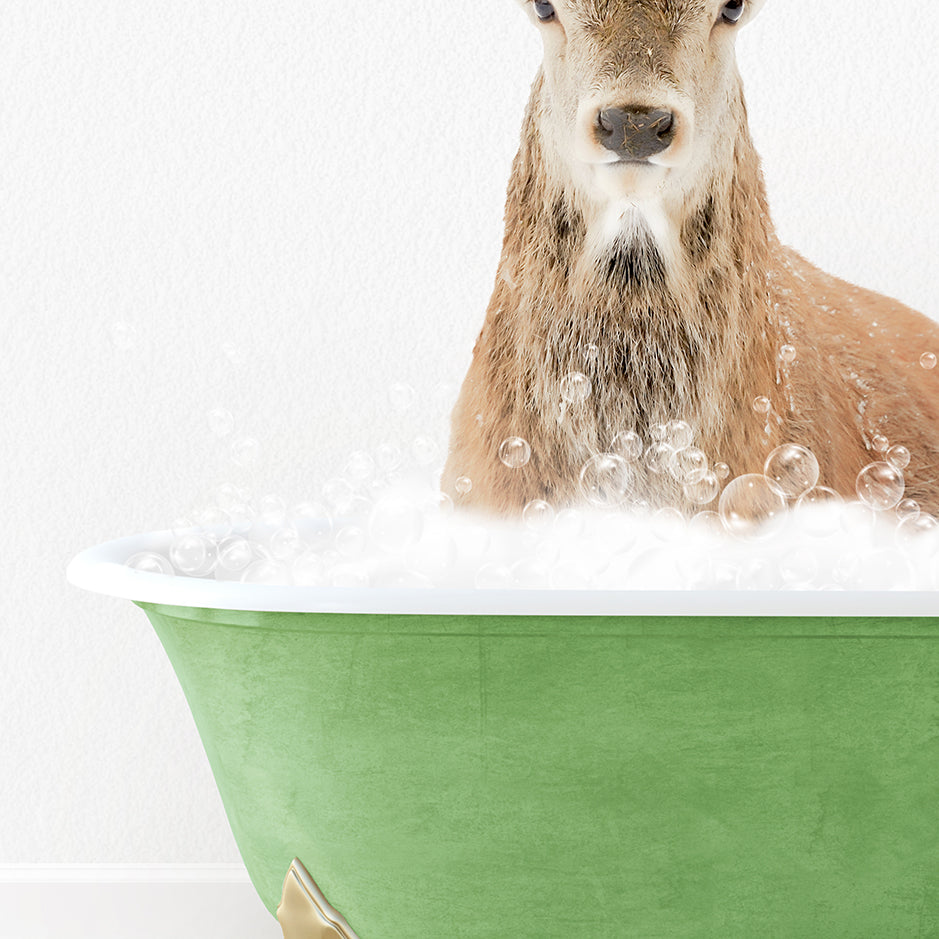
640,104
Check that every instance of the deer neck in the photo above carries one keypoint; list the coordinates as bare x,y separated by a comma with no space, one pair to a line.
665,307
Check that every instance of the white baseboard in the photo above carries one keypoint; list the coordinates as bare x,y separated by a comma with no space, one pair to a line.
152,901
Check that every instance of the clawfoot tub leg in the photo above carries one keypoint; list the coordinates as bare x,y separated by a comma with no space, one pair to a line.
304,913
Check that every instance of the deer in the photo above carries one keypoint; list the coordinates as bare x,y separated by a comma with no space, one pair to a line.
639,256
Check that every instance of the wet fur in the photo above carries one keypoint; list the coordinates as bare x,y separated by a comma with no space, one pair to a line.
700,346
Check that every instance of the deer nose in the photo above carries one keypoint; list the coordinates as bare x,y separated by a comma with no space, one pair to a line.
635,133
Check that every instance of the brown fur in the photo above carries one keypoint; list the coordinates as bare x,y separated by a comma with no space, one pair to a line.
700,347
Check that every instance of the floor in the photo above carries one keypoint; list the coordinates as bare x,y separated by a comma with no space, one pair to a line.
137,910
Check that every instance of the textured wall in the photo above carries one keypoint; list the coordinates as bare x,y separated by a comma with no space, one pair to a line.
321,191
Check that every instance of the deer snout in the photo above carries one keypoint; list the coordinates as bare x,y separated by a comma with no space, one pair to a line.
635,133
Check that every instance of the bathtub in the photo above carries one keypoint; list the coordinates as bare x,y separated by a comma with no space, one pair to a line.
538,764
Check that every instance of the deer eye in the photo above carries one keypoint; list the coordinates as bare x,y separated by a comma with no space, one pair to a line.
732,11
544,11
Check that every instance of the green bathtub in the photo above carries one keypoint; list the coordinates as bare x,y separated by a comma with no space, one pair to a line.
486,764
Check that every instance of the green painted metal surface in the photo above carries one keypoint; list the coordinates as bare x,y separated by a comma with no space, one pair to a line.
611,777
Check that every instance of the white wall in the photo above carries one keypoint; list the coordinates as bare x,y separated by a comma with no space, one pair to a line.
320,185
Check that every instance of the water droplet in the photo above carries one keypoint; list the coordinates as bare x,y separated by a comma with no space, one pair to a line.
463,485
880,486
703,490
899,457
678,435
575,388
606,480
514,452
762,405
628,445
791,469
150,562
221,421
395,524
927,360
689,465
538,515
787,354
751,508
879,443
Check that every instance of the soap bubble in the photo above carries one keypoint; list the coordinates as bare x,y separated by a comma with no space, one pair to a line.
927,360
401,397
359,467
388,457
751,508
515,452
424,450
234,554
266,571
575,388
879,443
538,515
286,543
242,517
308,570
880,485
150,562
791,469
312,522
463,485
914,528
703,490
798,566
606,480
349,577
762,405
350,541
787,354
569,524
245,450
658,433
192,554
123,335
707,524
899,457
494,576
857,519
441,503
657,457
395,524
339,494
221,421
215,522
272,510
907,508
628,445
689,465
819,511
721,471
678,434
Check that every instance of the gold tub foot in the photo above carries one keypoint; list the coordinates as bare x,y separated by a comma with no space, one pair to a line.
304,913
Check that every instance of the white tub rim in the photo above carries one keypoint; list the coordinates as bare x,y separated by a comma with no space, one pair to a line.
102,569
